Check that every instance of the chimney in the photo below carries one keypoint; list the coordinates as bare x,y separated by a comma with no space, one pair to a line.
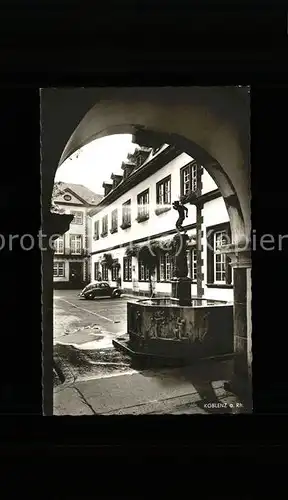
107,188
127,169
116,180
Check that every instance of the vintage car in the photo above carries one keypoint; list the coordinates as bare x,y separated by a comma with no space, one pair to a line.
100,289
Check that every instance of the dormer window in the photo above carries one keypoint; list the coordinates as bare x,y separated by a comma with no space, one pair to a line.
127,169
107,188
116,180
67,197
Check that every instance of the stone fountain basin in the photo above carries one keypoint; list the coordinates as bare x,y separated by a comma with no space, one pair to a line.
162,328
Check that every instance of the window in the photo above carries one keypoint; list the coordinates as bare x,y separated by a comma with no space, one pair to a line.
104,226
96,230
115,273
189,178
96,270
114,221
144,273
192,264
76,244
165,267
163,191
78,217
59,269
59,245
127,267
219,259
218,264
126,214
104,285
104,272
90,287
143,205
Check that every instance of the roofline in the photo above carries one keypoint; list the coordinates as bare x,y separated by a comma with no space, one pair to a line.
68,203
77,195
152,166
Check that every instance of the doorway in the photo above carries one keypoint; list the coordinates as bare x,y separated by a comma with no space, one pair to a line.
76,274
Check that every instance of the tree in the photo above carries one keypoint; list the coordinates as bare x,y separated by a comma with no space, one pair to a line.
108,260
132,251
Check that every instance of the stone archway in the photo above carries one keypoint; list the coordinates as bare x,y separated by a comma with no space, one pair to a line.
210,124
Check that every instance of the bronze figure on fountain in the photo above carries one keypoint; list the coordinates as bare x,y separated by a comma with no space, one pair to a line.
182,214
181,284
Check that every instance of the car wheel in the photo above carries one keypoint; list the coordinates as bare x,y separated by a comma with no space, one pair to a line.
89,297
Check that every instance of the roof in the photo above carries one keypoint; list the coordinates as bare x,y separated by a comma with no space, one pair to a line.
82,191
166,154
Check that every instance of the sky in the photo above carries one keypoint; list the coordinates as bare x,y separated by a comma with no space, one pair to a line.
96,162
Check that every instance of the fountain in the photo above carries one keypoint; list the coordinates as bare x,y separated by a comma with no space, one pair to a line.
178,328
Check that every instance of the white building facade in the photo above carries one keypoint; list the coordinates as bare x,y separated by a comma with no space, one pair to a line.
72,250
137,211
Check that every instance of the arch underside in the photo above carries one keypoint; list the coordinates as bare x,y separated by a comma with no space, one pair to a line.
209,124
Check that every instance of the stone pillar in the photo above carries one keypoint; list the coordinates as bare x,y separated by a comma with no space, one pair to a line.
249,323
53,226
242,380
47,331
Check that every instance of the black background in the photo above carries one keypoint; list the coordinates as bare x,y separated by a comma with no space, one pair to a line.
128,46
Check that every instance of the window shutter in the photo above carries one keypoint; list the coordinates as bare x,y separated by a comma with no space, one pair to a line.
158,268
210,257
130,269
228,271
124,271
228,260
181,182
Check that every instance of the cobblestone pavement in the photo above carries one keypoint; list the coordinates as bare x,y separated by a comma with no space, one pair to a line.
101,380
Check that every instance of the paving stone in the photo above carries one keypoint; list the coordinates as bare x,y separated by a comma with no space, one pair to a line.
69,402
124,391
